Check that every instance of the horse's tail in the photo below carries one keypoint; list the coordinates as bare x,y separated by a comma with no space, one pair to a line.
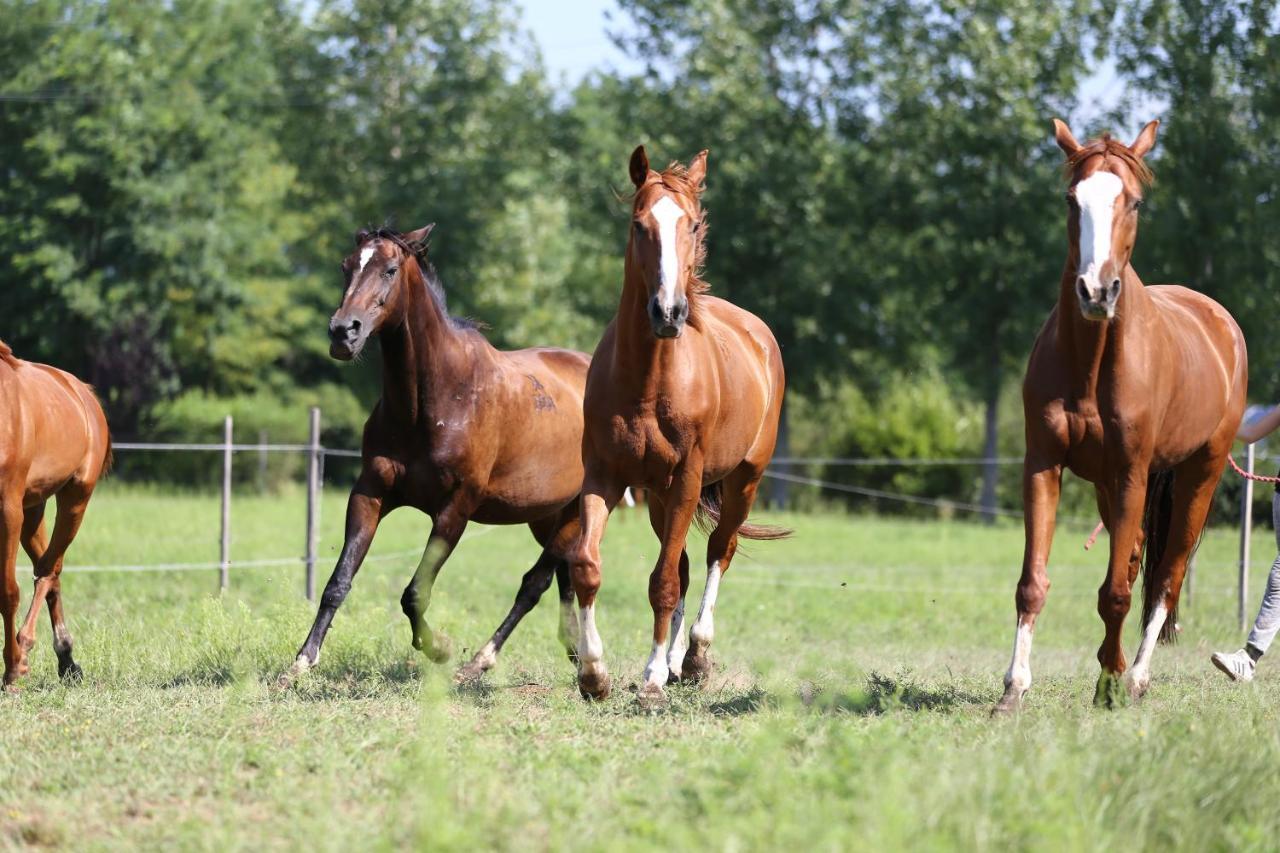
1156,521
707,517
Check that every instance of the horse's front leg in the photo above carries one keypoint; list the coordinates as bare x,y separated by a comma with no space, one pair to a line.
1126,499
446,529
365,509
600,494
680,502
1041,484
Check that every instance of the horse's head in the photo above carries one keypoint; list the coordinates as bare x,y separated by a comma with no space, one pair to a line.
665,245
374,275
1106,180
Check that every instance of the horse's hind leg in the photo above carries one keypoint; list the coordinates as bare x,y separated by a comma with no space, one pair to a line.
11,516
72,502
738,494
535,582
1194,483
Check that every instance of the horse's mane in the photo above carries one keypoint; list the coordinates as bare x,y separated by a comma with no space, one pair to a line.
429,275
1109,147
7,356
675,178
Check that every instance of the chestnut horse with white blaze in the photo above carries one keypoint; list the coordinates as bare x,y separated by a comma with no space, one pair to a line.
463,432
54,441
1137,389
683,399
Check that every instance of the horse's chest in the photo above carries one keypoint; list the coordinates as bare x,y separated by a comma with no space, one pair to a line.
648,448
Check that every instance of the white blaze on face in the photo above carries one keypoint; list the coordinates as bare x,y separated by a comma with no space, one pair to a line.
1096,196
667,213
365,254
1019,674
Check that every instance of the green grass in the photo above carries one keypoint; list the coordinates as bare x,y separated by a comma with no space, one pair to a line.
855,668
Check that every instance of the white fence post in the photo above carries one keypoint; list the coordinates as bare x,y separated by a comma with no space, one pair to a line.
313,501
1246,533
224,560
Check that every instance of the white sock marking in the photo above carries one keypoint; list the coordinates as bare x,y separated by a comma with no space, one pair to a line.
1019,674
590,646
1096,195
704,629
487,656
679,643
667,213
1140,675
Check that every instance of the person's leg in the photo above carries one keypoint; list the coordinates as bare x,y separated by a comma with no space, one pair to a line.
1267,624
1239,665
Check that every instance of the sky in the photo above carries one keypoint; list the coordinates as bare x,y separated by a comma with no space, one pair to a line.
573,37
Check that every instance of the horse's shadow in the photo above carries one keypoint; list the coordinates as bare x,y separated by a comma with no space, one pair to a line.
884,694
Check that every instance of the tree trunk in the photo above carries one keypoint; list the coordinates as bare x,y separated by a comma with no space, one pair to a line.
990,468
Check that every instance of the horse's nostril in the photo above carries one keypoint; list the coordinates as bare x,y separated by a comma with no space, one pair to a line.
1115,286
355,326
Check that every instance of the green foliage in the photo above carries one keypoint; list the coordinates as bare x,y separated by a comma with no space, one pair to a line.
914,417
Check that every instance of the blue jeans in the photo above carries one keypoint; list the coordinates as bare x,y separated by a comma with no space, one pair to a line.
1267,624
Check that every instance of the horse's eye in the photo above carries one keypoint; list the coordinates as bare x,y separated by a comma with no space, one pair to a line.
389,272
1137,203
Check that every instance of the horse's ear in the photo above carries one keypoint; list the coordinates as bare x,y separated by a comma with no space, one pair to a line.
420,238
1062,135
1146,139
698,169
639,166
361,236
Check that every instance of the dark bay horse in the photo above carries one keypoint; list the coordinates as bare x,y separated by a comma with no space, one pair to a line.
462,432
1136,389
683,399
53,442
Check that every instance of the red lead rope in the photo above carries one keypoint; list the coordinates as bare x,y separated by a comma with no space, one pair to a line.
1257,478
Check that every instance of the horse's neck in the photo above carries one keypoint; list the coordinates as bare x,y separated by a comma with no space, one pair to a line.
419,353
1093,347
644,354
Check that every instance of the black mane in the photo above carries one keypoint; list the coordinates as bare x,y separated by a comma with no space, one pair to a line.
429,274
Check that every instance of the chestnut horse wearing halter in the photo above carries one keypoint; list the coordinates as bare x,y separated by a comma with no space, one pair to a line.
462,432
1136,389
54,441
683,399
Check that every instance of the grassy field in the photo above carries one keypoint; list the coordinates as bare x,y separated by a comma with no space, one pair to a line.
855,668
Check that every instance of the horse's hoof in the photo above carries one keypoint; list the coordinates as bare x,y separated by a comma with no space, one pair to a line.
1138,689
1111,692
594,685
290,676
652,697
468,674
696,668
71,673
674,677
1010,703
439,650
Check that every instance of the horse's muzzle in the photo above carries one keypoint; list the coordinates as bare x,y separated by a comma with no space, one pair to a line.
668,322
1097,303
346,338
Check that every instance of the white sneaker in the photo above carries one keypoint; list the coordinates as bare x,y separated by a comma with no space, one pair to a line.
1237,665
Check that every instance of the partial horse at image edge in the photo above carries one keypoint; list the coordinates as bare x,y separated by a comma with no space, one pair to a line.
54,441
